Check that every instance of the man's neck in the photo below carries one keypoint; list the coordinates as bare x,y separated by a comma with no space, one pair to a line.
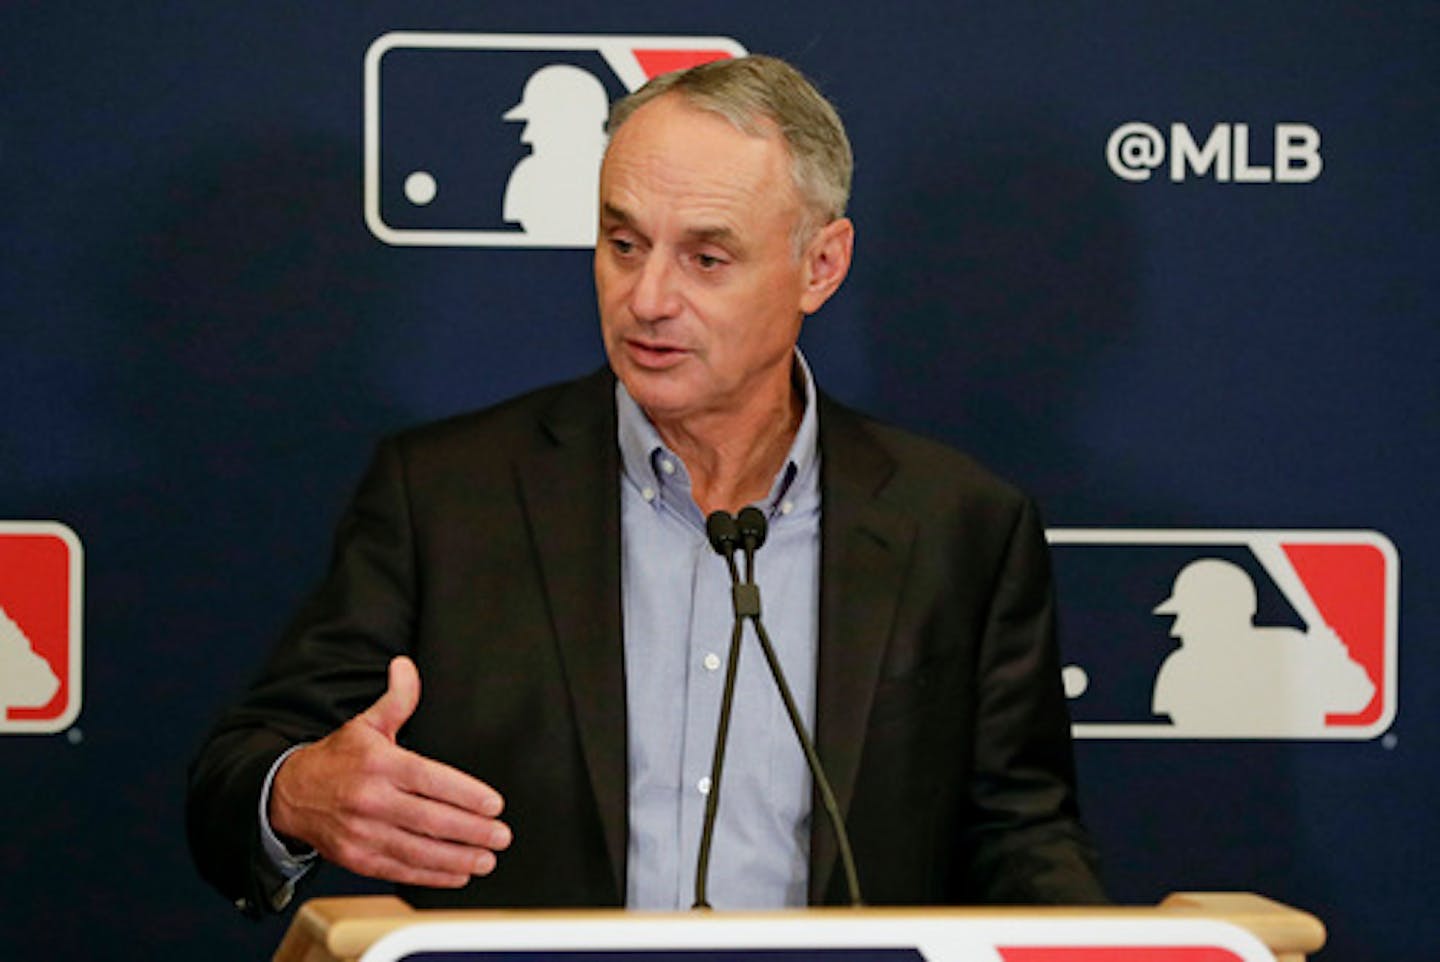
733,458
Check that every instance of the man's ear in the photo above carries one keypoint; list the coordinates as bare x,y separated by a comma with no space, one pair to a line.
827,261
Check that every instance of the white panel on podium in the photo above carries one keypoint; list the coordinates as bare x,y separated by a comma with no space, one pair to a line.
871,936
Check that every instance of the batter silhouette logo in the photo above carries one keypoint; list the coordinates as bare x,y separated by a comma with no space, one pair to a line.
494,140
1228,634
40,612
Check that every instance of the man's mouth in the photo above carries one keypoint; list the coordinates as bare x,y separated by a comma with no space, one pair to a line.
654,354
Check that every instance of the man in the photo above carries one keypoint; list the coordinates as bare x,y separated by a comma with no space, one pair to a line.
544,565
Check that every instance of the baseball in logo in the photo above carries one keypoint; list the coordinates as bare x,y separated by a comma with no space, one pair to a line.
494,140
40,612
1228,634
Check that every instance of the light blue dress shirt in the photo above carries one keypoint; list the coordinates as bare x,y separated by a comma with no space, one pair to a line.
677,625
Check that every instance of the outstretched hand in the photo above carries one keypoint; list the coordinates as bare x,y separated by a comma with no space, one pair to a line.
380,810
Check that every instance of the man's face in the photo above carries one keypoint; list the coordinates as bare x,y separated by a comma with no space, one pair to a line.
700,289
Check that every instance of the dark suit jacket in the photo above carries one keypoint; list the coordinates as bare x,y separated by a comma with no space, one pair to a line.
488,546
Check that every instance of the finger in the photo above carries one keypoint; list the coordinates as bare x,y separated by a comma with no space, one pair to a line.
392,870
402,694
423,776
438,820
438,855
374,844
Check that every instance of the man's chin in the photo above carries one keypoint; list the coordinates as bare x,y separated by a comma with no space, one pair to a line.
662,395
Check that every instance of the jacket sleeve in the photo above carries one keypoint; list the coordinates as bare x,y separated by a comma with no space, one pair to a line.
1026,843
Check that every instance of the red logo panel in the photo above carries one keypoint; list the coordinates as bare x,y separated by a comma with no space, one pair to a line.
40,626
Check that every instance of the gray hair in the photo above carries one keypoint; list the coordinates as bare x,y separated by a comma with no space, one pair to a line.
750,90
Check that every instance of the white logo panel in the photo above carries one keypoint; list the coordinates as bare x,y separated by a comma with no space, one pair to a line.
1228,634
495,140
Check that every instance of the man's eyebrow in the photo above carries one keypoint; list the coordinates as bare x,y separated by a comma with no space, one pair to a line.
615,215
609,211
711,235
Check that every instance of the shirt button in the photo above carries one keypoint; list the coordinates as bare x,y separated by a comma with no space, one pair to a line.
648,494
712,661
704,785
667,466
787,506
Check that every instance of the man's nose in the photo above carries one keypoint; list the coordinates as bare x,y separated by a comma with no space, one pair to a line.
656,294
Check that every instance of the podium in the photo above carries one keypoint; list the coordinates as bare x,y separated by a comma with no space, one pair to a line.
1185,927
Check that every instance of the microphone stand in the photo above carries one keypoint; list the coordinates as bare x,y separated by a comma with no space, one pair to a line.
724,535
750,530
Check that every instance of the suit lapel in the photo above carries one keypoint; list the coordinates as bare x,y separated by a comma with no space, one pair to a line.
570,488
865,547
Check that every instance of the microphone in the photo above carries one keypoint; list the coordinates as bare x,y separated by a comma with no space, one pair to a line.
724,535
749,530
753,527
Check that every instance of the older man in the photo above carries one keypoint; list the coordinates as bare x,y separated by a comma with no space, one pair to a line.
543,566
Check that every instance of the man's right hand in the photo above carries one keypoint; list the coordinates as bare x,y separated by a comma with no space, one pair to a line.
377,809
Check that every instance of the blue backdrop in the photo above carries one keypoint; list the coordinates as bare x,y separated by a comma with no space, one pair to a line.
203,338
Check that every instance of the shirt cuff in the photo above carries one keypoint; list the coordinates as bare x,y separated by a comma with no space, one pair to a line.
289,864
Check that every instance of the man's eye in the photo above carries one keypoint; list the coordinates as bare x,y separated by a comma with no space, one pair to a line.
708,262
621,246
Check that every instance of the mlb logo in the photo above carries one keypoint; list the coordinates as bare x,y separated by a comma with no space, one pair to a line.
40,613
494,140
1228,634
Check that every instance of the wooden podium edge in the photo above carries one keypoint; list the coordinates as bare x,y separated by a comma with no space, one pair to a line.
341,929
1290,933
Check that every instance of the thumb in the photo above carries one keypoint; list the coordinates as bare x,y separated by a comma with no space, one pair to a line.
394,708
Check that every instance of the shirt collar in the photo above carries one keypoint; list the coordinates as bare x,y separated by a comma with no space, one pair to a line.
643,454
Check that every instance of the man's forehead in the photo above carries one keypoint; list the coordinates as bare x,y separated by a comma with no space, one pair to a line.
672,129
674,152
